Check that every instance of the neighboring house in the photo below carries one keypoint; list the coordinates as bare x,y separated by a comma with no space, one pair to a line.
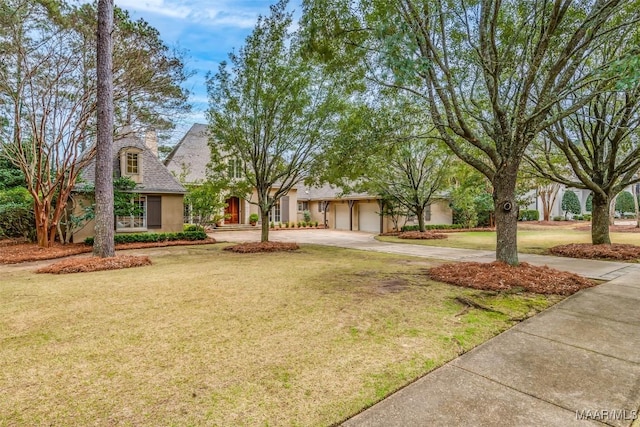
357,212
160,196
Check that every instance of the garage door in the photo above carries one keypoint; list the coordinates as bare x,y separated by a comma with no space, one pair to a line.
342,216
368,217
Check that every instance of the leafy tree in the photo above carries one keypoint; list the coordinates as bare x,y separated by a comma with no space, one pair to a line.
624,203
570,203
489,72
205,201
601,143
588,205
103,242
271,113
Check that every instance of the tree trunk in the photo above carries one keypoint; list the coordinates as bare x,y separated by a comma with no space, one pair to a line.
600,220
634,191
420,215
506,211
104,245
264,235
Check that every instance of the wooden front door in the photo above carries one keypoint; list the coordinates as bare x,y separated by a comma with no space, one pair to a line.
232,211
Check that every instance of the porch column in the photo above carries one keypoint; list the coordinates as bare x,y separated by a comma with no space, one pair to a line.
351,203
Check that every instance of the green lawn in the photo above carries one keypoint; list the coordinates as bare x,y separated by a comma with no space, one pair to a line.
206,337
529,241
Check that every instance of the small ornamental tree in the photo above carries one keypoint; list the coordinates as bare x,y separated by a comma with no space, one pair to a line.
570,204
624,203
588,205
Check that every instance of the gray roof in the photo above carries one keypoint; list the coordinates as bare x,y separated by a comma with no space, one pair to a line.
156,178
191,155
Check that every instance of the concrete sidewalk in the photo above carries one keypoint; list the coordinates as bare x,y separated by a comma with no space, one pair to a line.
576,364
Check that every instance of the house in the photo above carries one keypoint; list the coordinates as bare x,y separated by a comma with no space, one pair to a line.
327,205
159,195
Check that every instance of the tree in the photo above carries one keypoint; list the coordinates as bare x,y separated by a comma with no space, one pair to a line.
489,72
624,203
48,95
104,243
601,144
271,114
205,201
570,203
47,112
588,205
548,194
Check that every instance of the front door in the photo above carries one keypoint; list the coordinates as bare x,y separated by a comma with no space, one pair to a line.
232,211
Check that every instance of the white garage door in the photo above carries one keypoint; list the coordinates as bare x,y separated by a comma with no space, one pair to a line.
342,216
368,217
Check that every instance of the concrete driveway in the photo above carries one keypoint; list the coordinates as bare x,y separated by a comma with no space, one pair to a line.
600,270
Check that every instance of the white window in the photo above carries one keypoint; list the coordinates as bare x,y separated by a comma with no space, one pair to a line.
303,206
274,213
136,218
235,168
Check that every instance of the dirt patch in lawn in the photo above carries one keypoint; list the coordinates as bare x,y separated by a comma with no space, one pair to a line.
615,251
88,264
17,252
421,235
498,276
255,247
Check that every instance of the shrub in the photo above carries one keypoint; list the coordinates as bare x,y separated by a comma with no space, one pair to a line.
307,216
529,215
17,220
154,237
586,217
558,218
570,203
299,224
578,217
192,227
253,218
286,224
316,223
432,227
272,225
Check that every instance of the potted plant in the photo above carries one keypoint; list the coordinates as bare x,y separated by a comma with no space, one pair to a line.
253,219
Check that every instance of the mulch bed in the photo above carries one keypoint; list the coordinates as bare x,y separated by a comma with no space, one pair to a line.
614,251
255,247
498,276
88,264
14,253
421,235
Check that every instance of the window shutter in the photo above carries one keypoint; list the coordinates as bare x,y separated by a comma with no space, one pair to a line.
284,209
427,213
154,212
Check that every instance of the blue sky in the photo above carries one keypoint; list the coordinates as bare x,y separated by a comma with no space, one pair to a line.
207,30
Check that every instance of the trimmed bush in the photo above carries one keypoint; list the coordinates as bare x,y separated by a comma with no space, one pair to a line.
558,218
17,220
192,227
586,217
154,237
529,215
432,227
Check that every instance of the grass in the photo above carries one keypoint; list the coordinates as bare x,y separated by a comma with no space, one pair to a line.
206,337
529,241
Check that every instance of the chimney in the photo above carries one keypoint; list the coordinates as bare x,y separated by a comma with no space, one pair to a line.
151,141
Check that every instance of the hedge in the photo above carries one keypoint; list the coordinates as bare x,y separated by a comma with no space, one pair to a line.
154,237
529,215
432,227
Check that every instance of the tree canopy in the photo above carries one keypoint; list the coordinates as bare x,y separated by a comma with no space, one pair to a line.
488,72
271,113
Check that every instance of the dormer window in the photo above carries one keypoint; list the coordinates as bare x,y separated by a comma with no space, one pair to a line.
131,163
133,166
